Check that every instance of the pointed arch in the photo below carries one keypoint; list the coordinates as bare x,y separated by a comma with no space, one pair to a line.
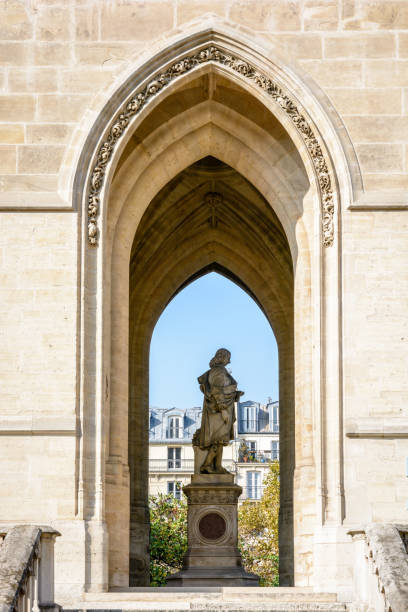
300,106
176,241
244,70
113,190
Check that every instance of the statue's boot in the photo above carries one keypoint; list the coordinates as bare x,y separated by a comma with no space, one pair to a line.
207,469
222,470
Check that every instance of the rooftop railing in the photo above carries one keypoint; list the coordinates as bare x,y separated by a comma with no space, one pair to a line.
244,427
257,426
169,434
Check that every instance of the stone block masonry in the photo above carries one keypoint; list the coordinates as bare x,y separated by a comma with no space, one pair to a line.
339,313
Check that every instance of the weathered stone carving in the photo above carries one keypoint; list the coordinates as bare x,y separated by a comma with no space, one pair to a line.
212,557
227,496
213,200
218,417
212,54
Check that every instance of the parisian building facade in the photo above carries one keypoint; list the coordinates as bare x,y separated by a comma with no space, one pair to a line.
171,456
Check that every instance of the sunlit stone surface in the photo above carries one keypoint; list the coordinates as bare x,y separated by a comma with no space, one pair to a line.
303,133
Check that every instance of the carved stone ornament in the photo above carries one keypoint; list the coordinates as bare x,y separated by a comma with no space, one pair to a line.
223,496
213,200
212,526
211,54
228,516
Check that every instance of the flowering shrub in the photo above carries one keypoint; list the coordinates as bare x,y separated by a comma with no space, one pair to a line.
257,528
168,536
258,525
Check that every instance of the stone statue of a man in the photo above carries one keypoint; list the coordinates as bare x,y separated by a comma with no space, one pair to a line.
217,421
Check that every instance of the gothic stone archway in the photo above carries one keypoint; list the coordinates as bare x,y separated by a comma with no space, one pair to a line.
208,217
193,101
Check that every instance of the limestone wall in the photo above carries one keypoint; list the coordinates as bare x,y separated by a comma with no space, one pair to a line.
375,346
56,56
60,62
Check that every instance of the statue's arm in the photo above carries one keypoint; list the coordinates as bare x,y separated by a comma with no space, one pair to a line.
223,393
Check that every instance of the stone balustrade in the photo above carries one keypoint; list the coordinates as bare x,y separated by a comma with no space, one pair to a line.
27,568
380,577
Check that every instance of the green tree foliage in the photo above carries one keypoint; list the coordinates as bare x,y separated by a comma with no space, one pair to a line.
258,531
168,536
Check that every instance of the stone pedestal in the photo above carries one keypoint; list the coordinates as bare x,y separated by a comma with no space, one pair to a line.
212,557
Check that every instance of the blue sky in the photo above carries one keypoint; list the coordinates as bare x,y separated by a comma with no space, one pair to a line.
210,313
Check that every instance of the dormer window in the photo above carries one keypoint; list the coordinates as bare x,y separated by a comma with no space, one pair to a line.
275,419
175,429
249,421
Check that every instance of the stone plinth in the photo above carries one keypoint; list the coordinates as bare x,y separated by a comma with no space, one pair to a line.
212,557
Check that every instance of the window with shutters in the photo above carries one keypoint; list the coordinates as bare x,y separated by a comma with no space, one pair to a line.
275,449
254,485
174,457
174,488
251,444
175,429
275,419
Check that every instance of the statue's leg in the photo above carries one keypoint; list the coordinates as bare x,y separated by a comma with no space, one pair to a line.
208,465
218,458
218,461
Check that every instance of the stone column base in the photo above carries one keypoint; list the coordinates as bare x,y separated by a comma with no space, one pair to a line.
212,557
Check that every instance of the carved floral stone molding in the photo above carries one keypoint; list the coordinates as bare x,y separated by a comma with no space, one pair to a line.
213,200
210,54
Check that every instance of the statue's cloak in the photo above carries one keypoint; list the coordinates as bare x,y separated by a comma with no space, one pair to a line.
218,417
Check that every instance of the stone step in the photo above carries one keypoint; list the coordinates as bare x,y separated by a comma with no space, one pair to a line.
283,607
217,599
214,606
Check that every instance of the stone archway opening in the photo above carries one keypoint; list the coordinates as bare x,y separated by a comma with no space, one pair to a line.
208,312
208,177
209,217
206,93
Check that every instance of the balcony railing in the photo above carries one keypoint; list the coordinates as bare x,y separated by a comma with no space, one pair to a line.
171,465
181,465
169,434
187,465
251,493
254,457
257,426
175,433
